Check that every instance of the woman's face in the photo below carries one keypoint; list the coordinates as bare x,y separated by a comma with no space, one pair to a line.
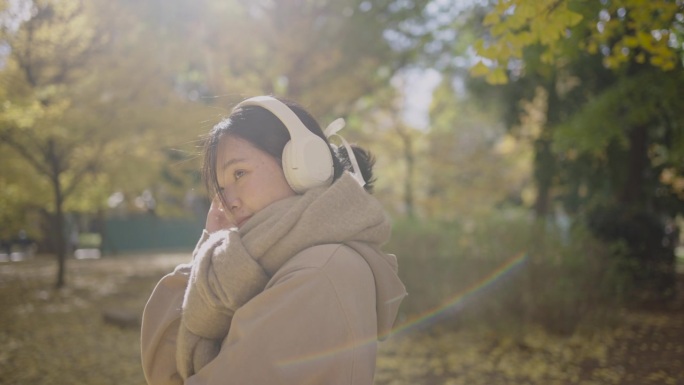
249,179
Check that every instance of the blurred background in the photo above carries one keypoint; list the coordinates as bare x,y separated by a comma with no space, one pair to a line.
530,154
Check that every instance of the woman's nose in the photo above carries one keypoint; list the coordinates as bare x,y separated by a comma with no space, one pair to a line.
231,200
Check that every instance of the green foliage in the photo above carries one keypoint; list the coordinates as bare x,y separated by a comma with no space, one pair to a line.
89,240
569,279
648,257
595,146
641,100
21,192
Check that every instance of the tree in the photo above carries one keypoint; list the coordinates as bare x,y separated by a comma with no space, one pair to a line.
96,89
75,114
400,146
326,55
474,165
621,128
35,84
628,35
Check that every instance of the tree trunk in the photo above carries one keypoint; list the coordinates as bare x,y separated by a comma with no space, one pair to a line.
543,172
59,235
408,186
409,158
58,218
544,159
637,162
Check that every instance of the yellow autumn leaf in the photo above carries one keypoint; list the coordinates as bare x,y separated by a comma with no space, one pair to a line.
573,18
630,41
668,65
491,19
497,76
479,69
645,39
657,61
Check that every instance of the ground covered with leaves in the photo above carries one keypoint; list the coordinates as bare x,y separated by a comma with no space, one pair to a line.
645,348
61,337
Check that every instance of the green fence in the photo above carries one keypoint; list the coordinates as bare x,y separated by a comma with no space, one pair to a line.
148,233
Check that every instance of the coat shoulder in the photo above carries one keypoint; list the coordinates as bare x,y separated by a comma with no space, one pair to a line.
336,260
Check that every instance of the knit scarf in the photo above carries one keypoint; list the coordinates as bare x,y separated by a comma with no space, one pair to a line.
233,266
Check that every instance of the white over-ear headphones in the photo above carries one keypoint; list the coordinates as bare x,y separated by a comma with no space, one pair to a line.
307,160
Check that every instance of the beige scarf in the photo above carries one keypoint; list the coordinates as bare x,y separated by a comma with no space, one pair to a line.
231,267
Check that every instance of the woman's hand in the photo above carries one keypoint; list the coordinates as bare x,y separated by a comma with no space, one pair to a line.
218,218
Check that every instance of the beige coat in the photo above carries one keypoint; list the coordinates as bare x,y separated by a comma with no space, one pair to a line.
315,323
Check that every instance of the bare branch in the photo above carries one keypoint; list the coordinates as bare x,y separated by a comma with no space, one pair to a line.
25,152
89,167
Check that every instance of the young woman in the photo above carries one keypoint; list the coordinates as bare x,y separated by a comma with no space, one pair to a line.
287,284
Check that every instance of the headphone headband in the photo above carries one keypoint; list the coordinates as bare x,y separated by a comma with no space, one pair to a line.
291,121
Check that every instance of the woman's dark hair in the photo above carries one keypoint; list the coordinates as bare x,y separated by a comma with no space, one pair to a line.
266,132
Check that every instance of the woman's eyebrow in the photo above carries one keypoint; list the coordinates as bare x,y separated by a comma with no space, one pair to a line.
231,162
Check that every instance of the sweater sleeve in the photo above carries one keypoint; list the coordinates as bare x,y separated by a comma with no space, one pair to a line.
160,322
312,325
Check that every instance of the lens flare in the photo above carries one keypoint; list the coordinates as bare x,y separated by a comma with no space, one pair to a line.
454,303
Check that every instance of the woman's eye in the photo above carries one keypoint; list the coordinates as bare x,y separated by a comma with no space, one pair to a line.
238,174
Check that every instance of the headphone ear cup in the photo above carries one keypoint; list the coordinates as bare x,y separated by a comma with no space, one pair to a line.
307,163
307,160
